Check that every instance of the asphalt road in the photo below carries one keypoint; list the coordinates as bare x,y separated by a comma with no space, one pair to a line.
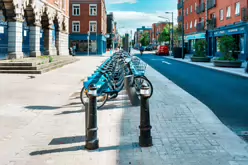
225,94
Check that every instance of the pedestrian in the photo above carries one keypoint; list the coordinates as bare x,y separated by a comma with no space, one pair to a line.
141,50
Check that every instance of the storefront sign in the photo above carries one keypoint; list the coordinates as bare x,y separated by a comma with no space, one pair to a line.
195,36
230,31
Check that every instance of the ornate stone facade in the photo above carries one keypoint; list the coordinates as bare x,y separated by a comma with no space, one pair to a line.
50,16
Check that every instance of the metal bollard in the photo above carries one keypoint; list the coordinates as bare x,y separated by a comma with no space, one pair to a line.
92,141
145,138
246,68
131,92
86,117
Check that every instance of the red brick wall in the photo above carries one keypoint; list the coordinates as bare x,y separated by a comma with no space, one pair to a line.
220,4
223,5
85,18
191,16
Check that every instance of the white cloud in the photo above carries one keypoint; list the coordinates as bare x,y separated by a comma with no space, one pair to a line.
120,1
131,20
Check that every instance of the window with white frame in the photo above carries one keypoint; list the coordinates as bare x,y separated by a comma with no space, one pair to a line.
187,12
76,9
195,6
93,26
195,23
221,14
191,25
237,8
75,26
93,9
191,9
228,12
187,26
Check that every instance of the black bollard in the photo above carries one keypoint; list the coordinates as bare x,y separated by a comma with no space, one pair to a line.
246,68
145,138
131,92
86,117
92,141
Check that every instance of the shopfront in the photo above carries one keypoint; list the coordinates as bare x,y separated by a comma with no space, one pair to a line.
238,31
97,44
3,37
192,40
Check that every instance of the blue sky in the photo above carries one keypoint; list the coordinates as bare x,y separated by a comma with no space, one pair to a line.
131,14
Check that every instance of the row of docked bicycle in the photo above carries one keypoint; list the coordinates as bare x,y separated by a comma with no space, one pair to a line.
109,77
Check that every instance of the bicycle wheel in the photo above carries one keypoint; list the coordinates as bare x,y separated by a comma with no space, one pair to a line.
142,80
101,100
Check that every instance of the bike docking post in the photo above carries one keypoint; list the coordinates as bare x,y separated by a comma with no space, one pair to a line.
145,138
131,92
86,116
92,141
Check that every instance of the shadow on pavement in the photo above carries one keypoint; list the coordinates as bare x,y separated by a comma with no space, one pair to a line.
67,140
42,107
125,147
70,112
57,150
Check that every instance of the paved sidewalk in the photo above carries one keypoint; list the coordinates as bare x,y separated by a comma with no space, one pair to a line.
210,65
185,132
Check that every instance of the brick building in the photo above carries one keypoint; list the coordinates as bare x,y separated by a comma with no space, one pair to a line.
139,32
157,29
88,16
33,28
212,19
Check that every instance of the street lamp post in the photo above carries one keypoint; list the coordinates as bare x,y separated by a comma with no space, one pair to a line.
88,37
182,29
172,30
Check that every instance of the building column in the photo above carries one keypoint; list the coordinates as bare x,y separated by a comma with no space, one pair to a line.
34,41
62,43
50,48
15,40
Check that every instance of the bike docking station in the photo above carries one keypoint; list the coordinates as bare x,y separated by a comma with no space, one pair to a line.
115,74
131,91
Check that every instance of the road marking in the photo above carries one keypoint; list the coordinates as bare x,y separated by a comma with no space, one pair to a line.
156,59
166,62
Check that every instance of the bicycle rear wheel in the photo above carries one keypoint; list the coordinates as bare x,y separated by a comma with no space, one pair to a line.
101,100
142,80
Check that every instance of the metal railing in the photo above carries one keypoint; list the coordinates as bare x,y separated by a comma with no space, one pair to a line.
211,23
200,8
200,26
211,4
180,5
180,18
244,14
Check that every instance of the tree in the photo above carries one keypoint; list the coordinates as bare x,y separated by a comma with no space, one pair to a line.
177,35
145,39
165,35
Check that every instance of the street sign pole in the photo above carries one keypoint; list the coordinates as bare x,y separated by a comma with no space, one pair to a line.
88,37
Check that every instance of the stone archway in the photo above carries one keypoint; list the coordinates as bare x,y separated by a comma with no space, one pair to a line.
48,26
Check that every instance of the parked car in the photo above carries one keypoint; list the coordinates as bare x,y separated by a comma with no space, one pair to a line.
149,48
162,50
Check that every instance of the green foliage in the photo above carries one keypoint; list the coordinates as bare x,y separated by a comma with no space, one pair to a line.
177,35
145,39
165,35
50,59
227,46
200,48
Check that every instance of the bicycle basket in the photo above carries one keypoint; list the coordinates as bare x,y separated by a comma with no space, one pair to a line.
140,67
135,61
